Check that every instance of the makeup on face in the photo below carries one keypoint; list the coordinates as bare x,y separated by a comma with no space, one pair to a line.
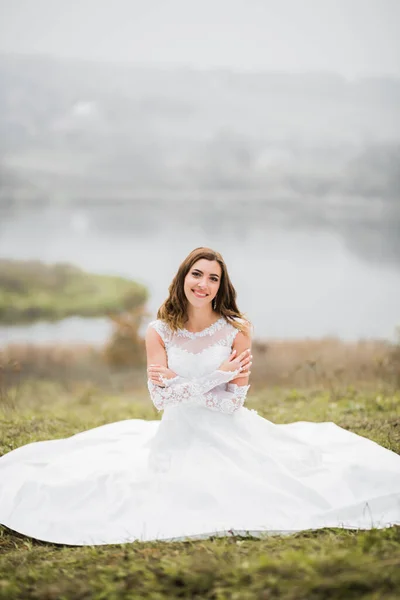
203,282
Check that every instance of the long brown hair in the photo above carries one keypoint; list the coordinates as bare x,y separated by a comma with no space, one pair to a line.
174,310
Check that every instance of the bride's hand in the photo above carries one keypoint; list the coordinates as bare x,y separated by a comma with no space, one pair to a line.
242,362
155,372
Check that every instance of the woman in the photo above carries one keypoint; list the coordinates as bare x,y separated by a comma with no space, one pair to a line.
210,466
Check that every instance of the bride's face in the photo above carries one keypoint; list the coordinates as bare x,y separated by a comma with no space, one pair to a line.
202,282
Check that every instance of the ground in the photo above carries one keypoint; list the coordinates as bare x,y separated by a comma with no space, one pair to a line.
328,563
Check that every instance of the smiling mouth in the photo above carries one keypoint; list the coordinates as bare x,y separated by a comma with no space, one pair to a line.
199,294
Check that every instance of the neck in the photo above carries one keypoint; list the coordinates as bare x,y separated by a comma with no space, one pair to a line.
200,318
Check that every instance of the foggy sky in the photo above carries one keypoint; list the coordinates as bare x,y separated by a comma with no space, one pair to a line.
351,37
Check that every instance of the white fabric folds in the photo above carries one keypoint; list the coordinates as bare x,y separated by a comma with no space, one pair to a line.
210,466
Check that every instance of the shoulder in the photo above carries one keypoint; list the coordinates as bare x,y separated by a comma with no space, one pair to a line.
245,330
158,327
240,338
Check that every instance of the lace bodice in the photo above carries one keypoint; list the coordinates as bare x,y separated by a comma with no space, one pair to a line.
193,354
195,357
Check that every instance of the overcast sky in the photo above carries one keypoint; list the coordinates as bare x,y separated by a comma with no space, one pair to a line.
352,37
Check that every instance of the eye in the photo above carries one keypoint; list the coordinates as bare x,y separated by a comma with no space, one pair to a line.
197,274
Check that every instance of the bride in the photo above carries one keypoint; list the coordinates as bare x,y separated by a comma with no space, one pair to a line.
210,466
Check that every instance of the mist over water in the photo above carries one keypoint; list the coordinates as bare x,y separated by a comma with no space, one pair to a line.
292,282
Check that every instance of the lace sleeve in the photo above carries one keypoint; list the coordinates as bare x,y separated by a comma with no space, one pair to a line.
226,400
180,390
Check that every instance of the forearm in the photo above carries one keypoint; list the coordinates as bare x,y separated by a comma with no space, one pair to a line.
226,400
182,390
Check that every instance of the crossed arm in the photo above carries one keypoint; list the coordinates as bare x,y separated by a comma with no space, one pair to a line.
222,390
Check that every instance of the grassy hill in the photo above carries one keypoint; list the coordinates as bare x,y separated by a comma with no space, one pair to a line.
31,291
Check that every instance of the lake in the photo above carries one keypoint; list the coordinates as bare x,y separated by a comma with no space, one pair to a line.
294,278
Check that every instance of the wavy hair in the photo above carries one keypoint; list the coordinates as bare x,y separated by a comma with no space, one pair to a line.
174,310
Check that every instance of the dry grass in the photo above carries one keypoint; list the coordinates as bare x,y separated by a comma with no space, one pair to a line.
329,363
65,364
326,361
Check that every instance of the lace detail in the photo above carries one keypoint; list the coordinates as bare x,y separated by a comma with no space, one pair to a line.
180,390
224,343
207,331
239,393
196,358
163,331
167,335
227,401
167,396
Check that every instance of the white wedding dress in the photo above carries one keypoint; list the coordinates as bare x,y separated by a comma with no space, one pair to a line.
209,467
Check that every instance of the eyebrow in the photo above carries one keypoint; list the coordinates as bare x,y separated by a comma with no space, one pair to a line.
200,271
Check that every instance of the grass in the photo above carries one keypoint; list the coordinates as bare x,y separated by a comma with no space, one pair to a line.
327,362
324,564
33,291
329,563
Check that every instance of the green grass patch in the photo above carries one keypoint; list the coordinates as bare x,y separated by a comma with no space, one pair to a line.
328,563
32,291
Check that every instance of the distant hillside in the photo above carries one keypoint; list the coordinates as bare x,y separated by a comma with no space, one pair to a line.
33,291
70,128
